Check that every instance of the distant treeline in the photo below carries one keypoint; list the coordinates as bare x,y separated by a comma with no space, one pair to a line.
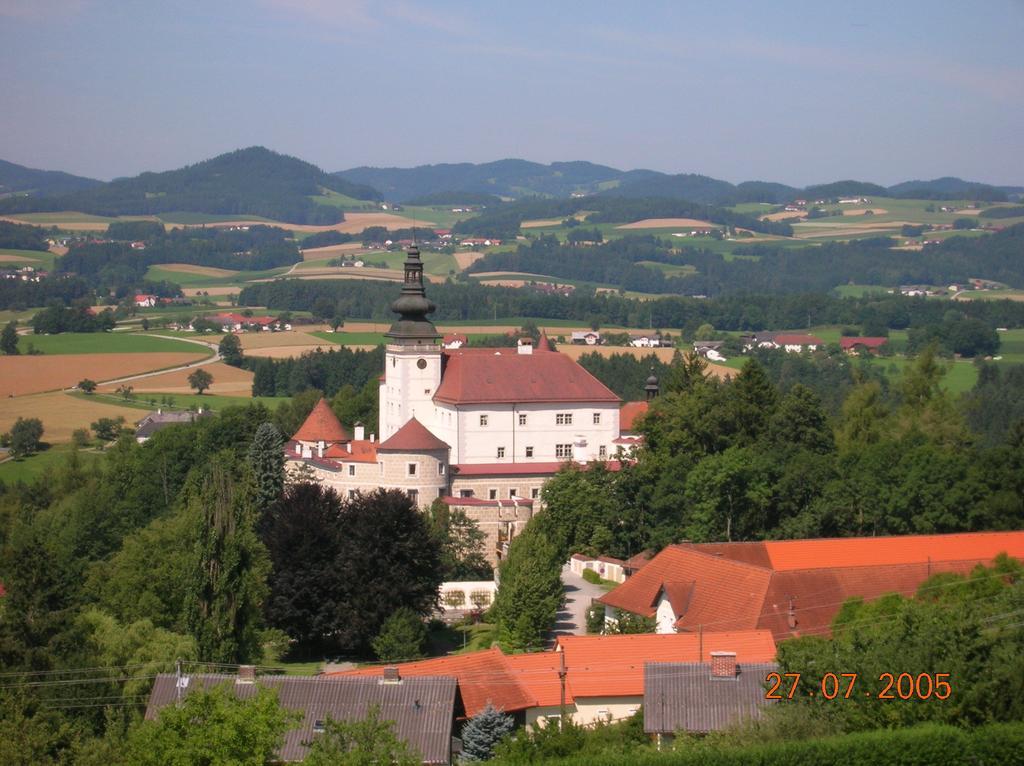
1002,212
254,249
777,268
455,198
325,239
504,221
57,319
17,295
368,299
326,371
19,236
248,182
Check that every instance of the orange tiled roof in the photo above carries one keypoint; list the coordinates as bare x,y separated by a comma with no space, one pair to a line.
484,678
537,674
629,413
321,425
362,451
613,666
866,551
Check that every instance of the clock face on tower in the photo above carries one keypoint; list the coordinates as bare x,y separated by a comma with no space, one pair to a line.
421,363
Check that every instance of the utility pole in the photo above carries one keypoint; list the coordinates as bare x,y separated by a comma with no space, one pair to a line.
177,680
561,678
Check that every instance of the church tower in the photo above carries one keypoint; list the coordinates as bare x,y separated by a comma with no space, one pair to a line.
412,361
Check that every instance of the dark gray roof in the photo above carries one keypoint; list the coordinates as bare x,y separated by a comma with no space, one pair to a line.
682,696
157,421
422,708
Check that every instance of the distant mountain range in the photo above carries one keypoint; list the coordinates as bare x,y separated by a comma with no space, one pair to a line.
519,178
246,182
259,182
18,179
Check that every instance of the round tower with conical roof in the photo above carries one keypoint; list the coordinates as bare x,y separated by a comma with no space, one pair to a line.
412,361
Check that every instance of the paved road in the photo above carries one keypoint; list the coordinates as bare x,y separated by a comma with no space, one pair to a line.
572,619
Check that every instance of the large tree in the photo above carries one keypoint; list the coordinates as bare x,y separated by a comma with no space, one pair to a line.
266,458
530,591
25,436
200,380
9,339
229,564
230,349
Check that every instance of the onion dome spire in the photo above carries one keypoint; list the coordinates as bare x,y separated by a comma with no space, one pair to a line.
412,305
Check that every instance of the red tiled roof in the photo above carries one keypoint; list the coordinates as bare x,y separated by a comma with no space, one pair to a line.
613,666
629,413
847,343
508,376
726,593
537,674
479,501
798,340
321,425
412,437
484,678
363,451
862,551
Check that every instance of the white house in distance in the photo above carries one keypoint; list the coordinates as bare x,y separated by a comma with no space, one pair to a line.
792,343
483,428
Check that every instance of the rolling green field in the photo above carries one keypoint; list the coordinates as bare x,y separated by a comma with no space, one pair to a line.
332,198
858,291
669,269
40,258
352,338
30,468
195,219
150,400
105,343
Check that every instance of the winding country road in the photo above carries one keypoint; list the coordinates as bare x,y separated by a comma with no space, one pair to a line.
216,357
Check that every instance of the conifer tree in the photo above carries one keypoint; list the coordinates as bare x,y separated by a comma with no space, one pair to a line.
9,339
266,458
403,637
483,731
530,591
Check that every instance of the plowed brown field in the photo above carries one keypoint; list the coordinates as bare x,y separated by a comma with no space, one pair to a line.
32,374
227,381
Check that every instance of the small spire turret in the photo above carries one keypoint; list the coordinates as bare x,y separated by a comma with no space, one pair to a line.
412,305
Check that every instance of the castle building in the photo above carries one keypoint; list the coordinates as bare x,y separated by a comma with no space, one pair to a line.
482,428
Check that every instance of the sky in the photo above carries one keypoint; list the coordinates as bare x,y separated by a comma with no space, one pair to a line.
794,92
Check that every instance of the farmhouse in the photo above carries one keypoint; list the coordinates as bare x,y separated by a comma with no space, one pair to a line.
146,301
789,342
604,676
423,708
159,420
856,345
589,338
710,349
483,428
791,587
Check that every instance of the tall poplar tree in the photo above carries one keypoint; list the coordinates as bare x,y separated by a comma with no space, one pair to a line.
230,565
266,458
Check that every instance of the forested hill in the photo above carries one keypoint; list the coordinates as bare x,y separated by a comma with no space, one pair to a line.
18,179
246,182
521,178
505,178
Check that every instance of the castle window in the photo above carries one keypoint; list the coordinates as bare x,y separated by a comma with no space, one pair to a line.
351,494
440,469
483,421
522,419
440,492
492,494
597,418
529,452
410,469
465,493
563,450
351,470
535,493
501,452
563,419
513,492
602,452
414,495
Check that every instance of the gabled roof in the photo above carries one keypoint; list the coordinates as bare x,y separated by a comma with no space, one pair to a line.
354,451
505,375
798,340
725,593
412,437
847,343
484,678
321,425
613,666
423,709
629,413
682,696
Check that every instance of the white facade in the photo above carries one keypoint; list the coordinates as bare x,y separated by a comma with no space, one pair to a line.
412,374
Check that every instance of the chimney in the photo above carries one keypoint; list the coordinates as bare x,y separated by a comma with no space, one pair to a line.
360,431
373,438
391,675
723,665
525,345
246,674
159,410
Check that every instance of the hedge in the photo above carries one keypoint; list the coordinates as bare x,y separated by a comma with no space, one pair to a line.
926,745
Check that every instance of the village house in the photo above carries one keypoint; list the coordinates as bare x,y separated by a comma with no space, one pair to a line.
600,679
587,337
423,709
702,697
710,349
145,301
791,587
793,343
856,345
159,420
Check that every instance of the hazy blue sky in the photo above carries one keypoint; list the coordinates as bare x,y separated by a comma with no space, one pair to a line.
797,92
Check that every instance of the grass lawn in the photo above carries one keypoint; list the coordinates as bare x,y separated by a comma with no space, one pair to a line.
150,400
858,291
353,338
28,469
104,343
188,279
300,668
191,219
669,269
333,199
40,258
